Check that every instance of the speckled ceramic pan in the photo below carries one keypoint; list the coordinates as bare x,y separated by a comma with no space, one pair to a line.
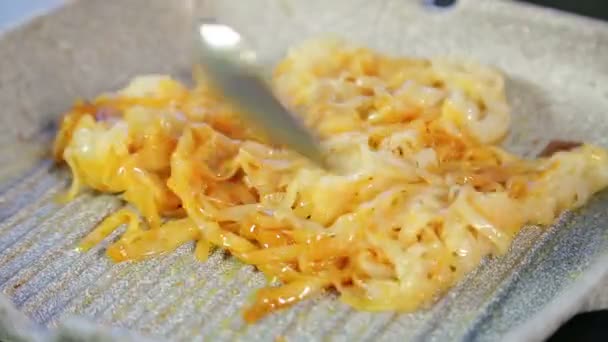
557,69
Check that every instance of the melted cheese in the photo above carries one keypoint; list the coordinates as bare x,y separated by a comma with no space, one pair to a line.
422,191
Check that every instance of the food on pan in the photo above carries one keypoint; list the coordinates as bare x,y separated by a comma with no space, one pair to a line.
419,194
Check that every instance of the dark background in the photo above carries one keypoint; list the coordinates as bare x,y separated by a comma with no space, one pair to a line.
592,8
589,326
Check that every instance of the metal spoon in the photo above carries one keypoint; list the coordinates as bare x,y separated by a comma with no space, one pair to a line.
232,68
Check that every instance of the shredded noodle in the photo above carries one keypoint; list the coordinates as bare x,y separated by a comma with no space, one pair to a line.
422,191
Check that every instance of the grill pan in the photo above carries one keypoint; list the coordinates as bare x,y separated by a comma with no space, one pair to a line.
556,66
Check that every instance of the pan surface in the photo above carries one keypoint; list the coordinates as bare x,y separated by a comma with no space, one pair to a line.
557,70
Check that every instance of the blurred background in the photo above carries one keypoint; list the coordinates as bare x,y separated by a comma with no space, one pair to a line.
14,12
584,327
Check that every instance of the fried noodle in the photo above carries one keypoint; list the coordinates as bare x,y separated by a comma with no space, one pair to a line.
421,192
